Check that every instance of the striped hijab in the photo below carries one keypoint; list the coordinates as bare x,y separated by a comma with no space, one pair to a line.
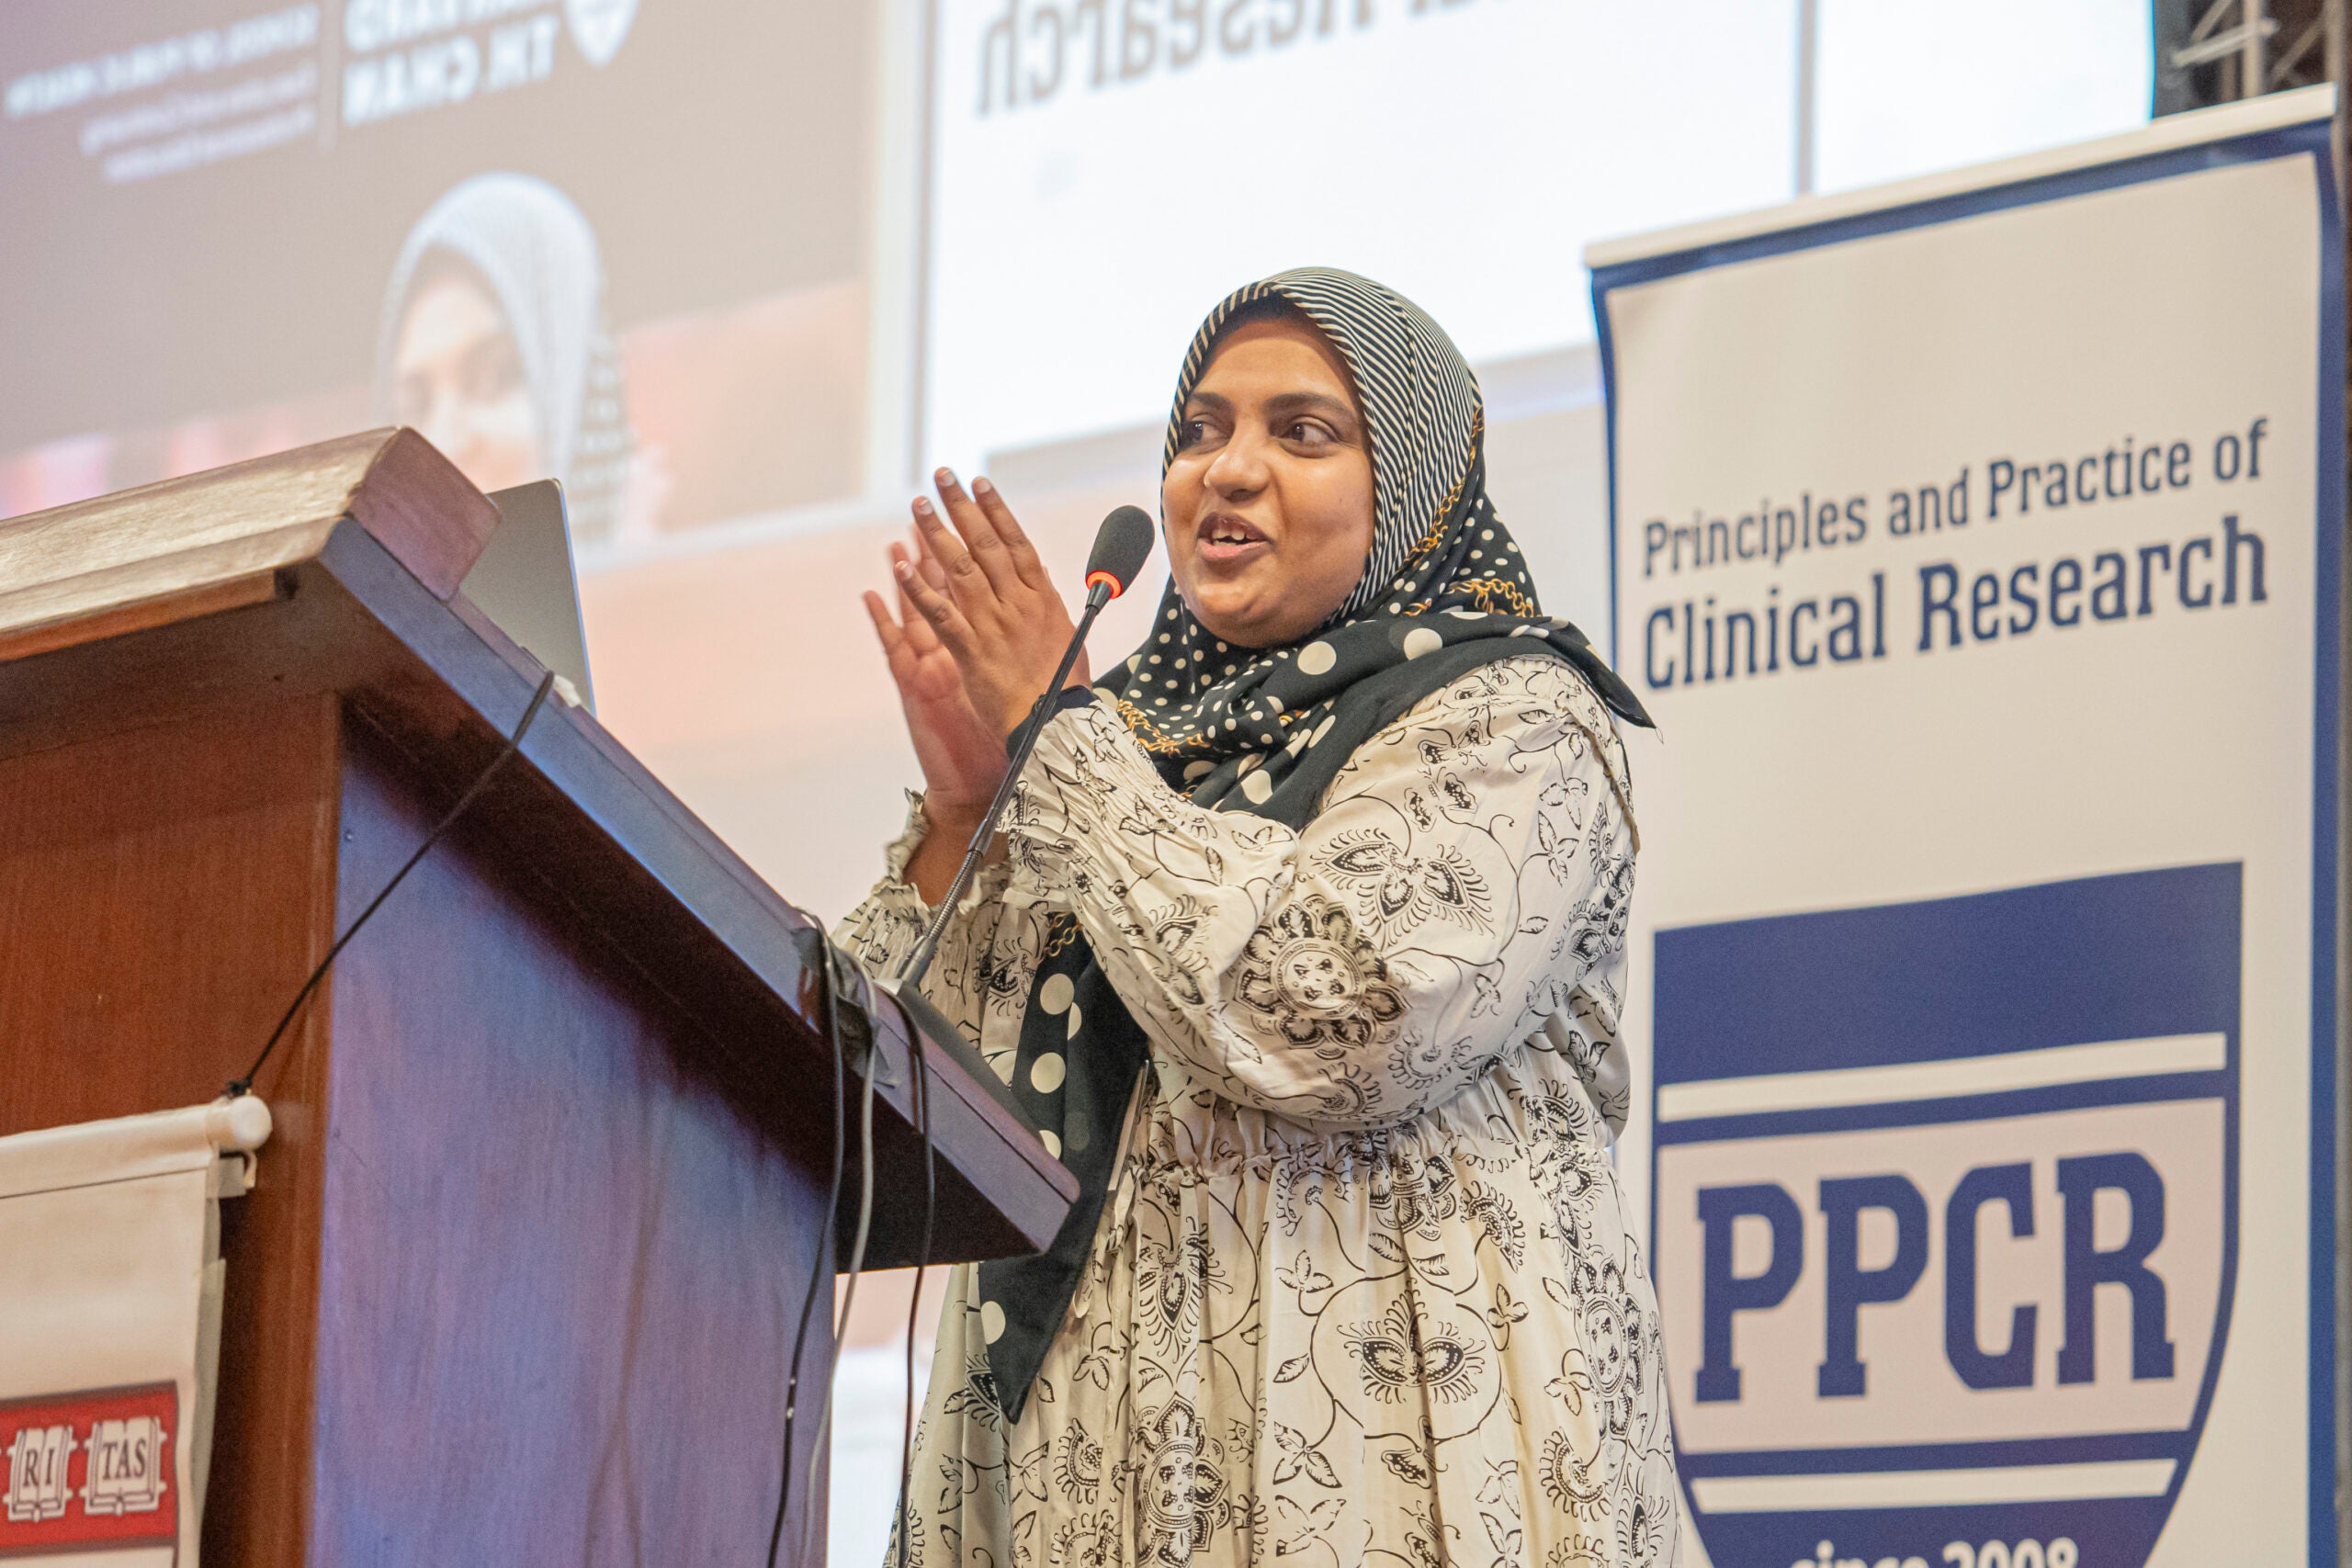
1265,730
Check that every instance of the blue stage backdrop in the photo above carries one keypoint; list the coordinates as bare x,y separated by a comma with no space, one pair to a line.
1977,544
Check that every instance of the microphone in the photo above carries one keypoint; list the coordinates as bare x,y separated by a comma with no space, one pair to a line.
1121,546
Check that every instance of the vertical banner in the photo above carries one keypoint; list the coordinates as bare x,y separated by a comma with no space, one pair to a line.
110,1298
1978,545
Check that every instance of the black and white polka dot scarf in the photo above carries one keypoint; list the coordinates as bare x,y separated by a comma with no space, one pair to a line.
1265,730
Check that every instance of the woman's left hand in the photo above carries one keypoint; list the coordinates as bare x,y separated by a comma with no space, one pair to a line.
1000,616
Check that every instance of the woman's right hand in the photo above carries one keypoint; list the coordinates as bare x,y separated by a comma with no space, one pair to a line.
962,762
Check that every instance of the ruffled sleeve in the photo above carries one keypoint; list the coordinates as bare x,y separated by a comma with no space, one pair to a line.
968,978
1469,872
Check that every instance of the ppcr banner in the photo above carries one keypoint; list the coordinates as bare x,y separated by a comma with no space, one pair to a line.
1978,545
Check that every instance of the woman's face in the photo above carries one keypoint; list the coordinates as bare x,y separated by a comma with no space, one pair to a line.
1268,505
457,380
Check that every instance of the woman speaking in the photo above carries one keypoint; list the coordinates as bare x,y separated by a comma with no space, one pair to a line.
1304,946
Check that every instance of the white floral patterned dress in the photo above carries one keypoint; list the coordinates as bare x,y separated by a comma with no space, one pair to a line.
1363,1291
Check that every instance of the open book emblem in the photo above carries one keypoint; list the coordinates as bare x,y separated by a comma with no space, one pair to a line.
126,1467
38,1461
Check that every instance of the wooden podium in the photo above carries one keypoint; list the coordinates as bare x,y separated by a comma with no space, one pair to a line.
519,1281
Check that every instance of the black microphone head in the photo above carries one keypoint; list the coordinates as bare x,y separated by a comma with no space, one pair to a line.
1121,546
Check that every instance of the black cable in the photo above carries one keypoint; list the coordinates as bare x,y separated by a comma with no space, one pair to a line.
915,1303
821,1271
238,1087
867,1071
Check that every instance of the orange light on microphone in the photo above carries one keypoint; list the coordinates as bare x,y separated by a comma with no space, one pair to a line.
1117,587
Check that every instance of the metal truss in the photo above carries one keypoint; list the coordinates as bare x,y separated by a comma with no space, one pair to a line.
2211,52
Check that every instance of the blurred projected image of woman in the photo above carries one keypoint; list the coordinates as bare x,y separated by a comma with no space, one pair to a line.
1303,947
493,345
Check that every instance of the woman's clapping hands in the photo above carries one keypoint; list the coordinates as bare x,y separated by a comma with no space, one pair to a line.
978,630
962,762
992,604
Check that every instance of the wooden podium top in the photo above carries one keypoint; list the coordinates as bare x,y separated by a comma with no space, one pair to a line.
333,569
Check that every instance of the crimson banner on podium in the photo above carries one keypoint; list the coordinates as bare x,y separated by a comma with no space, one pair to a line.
110,1331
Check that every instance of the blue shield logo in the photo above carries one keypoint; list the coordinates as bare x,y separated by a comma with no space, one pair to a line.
1945,1219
